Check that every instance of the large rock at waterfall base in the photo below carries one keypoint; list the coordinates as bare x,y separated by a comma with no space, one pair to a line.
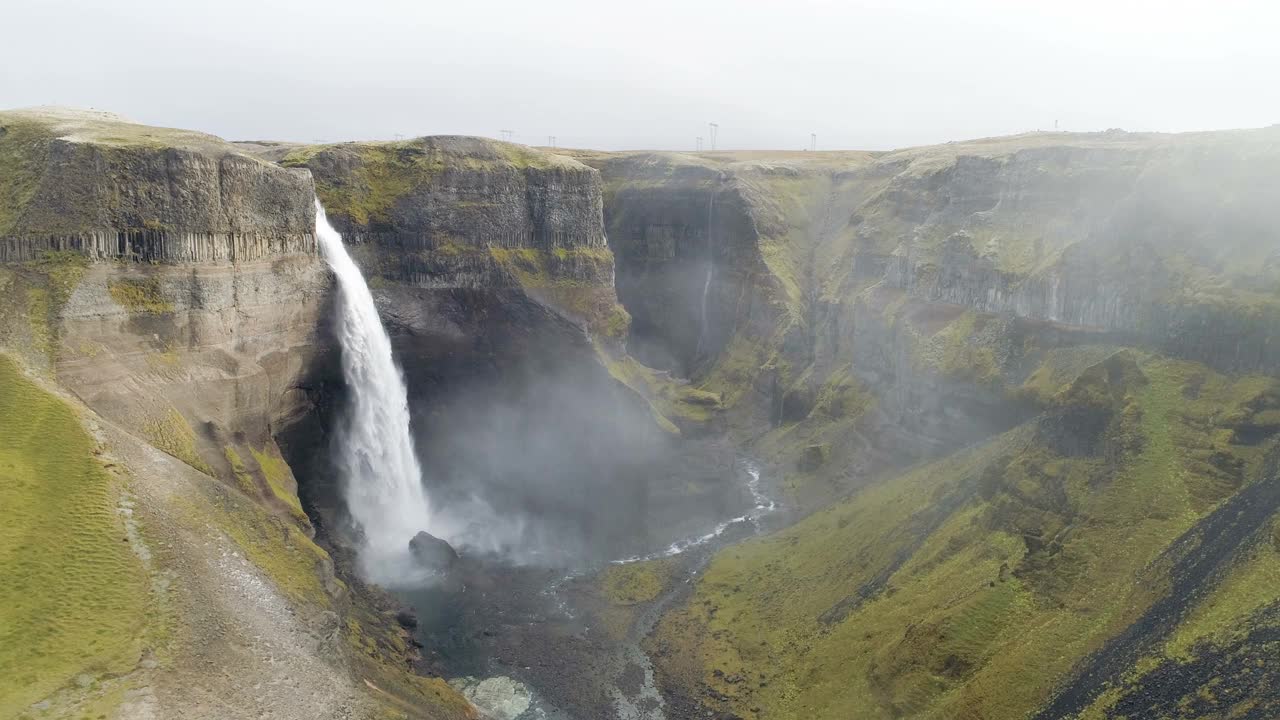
433,553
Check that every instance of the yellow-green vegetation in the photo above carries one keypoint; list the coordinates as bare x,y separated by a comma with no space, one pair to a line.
42,335
45,285
842,395
1222,617
636,582
243,478
1058,367
274,544
957,352
968,587
739,363
670,399
274,472
280,479
143,296
171,433
382,173
74,598
381,653
23,151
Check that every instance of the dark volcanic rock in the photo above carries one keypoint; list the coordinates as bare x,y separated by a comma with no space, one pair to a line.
432,552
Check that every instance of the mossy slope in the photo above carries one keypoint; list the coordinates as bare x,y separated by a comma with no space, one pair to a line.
971,587
75,597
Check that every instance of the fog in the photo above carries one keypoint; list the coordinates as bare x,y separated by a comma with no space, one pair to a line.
649,75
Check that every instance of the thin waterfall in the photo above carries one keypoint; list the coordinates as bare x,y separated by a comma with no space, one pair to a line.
706,285
381,477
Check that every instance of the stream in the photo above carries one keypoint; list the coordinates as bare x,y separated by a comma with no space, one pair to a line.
528,643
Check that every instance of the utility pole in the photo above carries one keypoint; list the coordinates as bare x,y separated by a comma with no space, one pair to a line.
713,129
699,143
506,135
813,142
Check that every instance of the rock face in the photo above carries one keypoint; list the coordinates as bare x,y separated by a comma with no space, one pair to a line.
688,254
1055,322
93,184
170,283
489,265
461,212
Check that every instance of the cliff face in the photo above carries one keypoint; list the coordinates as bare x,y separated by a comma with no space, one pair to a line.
489,265
973,297
1168,240
687,254
89,183
169,283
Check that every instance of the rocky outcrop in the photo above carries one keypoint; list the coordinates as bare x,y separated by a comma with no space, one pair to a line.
186,348
463,212
688,256
94,184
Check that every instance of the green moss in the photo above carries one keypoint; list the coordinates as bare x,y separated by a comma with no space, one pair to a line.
293,562
383,173
637,582
143,296
244,479
669,399
843,396
24,147
970,586
280,479
958,352
42,334
74,597
171,433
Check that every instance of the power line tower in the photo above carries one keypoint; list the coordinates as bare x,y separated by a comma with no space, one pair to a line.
813,142
506,135
699,143
551,140
713,129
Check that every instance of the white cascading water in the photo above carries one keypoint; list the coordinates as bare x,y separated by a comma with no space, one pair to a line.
381,476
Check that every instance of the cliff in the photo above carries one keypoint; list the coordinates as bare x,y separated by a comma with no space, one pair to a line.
489,265
931,364
91,183
165,300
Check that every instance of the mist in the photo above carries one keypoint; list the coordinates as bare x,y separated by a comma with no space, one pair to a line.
864,75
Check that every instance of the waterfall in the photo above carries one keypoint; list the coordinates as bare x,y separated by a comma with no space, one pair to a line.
379,470
706,285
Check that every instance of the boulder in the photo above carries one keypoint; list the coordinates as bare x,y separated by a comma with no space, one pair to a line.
433,553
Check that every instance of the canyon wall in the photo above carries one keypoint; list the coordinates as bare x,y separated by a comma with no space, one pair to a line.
166,286
489,265
986,362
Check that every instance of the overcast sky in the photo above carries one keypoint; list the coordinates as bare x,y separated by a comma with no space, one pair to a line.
650,73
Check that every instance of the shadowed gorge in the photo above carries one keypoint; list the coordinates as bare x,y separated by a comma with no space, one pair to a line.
988,429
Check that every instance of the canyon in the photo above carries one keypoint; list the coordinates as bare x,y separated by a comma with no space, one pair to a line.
987,429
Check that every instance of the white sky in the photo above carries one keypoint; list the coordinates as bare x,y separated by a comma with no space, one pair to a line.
650,73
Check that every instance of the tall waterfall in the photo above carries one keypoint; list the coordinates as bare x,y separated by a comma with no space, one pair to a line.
380,473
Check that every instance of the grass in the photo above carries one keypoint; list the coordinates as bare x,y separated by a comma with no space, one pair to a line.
23,148
637,582
672,402
280,479
74,597
171,433
274,544
382,173
966,588
142,296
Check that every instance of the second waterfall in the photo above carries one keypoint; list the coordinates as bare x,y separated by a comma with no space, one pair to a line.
380,473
